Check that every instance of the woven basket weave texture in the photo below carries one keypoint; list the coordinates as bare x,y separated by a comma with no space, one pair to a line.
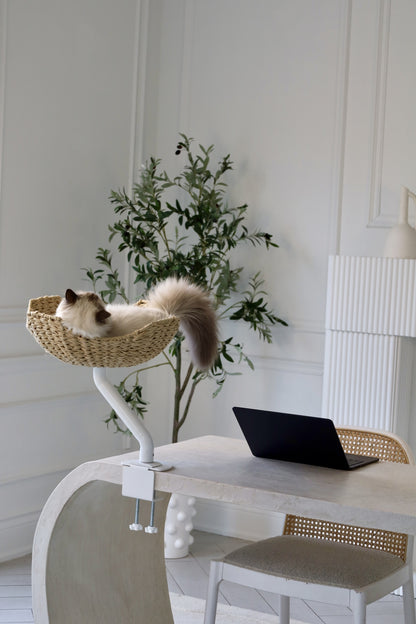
120,351
374,444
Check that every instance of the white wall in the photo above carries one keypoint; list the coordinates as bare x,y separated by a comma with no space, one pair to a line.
67,85
314,101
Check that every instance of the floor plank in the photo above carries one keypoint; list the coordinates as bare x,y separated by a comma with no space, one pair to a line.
190,576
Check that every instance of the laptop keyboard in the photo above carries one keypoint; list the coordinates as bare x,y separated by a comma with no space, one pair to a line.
354,460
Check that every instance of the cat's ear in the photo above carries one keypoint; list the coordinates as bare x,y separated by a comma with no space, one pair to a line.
71,296
102,315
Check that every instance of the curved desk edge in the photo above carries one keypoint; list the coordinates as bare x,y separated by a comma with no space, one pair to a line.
87,565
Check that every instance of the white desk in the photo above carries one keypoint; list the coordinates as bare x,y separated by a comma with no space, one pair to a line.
89,568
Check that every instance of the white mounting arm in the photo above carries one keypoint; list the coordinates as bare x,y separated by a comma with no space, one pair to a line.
119,405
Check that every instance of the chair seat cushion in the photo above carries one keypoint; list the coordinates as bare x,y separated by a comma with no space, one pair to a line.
316,561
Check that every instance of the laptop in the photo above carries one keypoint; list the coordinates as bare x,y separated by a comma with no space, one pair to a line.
295,438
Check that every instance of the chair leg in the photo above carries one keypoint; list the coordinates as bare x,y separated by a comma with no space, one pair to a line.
358,608
409,603
215,578
284,611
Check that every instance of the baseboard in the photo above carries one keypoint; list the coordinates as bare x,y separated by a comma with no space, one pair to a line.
236,521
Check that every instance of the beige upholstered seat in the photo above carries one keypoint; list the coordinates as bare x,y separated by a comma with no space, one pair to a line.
327,561
291,556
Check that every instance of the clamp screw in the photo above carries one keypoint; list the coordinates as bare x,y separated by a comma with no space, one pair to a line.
151,528
136,526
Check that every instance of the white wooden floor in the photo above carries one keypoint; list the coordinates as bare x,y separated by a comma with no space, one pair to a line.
189,576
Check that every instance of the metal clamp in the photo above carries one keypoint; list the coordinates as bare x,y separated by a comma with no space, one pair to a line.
139,483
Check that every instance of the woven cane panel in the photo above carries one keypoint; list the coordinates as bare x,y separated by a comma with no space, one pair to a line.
374,444
129,350
363,443
387,541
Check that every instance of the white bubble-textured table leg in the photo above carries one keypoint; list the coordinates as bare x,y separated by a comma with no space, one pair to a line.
179,524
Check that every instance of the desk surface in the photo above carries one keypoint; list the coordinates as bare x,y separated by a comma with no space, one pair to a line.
84,516
380,495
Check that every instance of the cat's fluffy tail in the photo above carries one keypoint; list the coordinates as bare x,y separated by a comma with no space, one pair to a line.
192,305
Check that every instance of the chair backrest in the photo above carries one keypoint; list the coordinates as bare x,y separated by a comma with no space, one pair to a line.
387,447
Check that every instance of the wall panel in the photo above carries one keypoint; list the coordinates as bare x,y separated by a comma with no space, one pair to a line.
68,78
266,82
380,135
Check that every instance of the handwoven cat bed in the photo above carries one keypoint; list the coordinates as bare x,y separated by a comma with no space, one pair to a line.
128,350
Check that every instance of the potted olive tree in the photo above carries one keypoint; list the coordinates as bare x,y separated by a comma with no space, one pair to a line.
183,225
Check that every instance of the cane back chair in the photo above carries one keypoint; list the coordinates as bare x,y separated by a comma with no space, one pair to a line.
327,561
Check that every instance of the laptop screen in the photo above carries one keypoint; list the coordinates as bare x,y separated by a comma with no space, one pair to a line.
293,437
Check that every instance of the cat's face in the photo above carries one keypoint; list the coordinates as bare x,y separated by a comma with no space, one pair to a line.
84,313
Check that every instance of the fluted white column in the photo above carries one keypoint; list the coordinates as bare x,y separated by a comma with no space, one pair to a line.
370,330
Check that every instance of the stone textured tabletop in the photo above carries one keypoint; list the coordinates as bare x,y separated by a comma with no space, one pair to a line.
380,495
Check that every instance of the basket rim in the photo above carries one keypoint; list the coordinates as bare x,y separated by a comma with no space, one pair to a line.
126,350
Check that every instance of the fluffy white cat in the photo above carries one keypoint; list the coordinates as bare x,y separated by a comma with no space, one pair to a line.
86,314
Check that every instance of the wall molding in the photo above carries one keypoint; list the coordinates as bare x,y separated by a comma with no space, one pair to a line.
339,147
12,314
43,380
45,400
25,518
286,365
186,66
307,326
23,364
137,119
41,474
3,67
139,88
16,535
376,218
